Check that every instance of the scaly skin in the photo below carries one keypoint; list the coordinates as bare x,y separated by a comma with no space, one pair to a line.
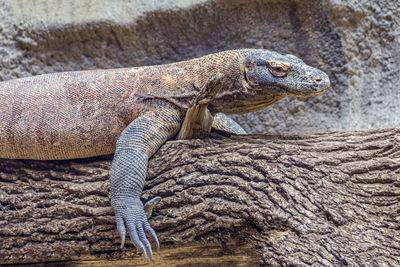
133,111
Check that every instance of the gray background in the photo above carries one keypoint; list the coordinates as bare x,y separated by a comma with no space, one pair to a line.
356,42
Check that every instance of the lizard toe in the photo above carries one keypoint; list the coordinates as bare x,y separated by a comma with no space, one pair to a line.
121,228
149,206
152,233
145,241
135,238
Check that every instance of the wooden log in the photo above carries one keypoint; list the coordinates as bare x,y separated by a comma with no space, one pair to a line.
323,199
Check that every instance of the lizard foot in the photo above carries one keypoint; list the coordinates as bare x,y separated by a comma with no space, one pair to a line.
129,212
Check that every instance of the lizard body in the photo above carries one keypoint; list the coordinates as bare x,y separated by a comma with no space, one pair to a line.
133,111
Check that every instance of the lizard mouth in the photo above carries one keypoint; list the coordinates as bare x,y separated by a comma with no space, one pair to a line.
301,89
310,89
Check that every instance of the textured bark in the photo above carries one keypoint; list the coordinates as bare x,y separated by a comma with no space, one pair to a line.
323,199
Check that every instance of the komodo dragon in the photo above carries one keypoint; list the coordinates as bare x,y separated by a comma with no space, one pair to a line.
133,111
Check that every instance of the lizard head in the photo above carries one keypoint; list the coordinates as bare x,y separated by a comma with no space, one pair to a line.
286,75
268,76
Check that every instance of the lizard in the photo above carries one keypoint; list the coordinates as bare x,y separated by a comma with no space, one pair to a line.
132,112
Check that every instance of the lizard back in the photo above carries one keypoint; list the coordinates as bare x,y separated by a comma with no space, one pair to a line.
82,113
62,115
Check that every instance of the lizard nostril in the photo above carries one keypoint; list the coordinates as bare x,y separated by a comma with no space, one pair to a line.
318,79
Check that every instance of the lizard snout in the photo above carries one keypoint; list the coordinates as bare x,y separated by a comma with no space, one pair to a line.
321,82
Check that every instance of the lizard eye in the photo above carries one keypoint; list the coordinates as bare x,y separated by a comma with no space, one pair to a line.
278,68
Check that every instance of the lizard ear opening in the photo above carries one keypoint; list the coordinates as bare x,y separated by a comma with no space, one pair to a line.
250,82
245,75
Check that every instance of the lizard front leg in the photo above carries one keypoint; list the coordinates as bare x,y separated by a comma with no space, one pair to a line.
198,119
224,123
137,143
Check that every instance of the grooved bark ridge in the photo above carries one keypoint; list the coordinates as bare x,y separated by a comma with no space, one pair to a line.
324,199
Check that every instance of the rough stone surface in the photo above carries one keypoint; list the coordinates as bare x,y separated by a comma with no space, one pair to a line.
356,42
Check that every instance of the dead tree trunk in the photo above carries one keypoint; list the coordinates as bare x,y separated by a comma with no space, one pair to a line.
323,199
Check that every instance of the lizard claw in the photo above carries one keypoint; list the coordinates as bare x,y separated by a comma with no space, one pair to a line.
148,207
130,214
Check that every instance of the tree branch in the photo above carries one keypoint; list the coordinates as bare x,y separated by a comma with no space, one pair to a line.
326,199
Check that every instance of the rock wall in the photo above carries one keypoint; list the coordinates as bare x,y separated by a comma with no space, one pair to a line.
356,42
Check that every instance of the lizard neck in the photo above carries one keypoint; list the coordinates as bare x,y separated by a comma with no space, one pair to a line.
179,83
